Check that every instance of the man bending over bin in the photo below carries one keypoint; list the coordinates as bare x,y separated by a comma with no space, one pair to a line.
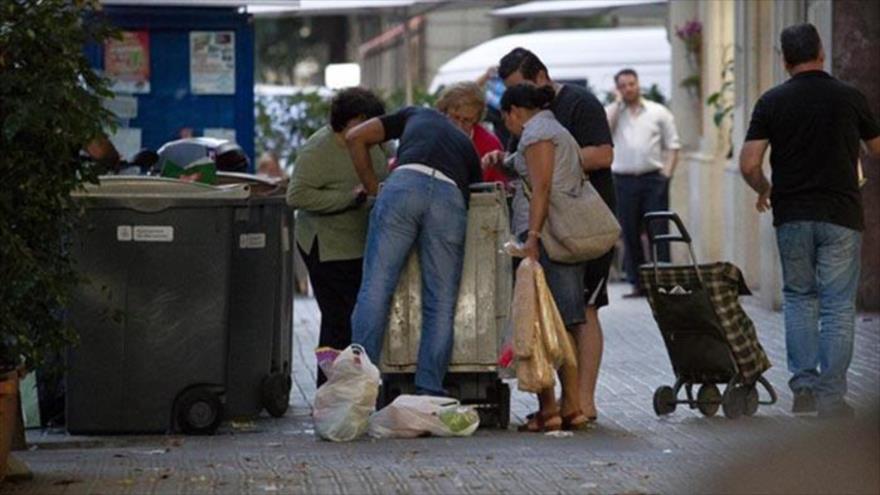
423,204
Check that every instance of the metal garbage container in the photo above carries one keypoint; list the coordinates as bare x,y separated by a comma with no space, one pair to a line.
154,312
480,320
261,305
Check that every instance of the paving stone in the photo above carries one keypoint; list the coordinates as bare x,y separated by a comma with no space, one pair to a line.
631,451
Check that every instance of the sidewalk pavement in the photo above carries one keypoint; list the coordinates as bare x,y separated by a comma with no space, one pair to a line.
630,451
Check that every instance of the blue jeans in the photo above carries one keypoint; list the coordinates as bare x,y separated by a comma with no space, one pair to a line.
414,209
820,271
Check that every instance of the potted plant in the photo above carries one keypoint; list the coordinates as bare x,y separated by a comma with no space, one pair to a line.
50,108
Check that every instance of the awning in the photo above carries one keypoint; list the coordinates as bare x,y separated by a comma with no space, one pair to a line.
584,8
284,7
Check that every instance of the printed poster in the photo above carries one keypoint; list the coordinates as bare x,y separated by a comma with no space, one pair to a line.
127,62
212,62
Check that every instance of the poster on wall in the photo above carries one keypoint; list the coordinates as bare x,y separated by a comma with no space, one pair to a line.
212,62
127,62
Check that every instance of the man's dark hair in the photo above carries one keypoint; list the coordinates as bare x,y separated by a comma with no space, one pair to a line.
800,43
522,60
625,72
351,103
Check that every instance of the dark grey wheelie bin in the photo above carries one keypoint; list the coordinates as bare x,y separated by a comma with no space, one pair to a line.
154,314
261,300
187,318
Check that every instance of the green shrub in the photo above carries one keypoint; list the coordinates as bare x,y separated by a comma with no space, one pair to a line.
50,107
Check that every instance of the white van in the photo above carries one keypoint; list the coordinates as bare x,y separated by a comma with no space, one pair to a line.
577,55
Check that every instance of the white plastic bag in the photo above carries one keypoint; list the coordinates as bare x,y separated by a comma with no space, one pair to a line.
344,403
419,415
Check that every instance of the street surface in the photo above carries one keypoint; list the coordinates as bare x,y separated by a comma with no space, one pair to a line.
630,451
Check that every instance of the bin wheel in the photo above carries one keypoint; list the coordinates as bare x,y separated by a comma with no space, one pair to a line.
199,411
392,386
275,394
708,399
733,402
664,400
750,399
503,405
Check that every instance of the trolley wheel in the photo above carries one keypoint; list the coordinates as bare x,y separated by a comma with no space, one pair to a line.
198,411
664,400
750,400
708,399
503,405
733,402
275,393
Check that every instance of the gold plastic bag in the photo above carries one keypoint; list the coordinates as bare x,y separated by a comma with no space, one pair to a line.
535,373
557,341
541,342
524,310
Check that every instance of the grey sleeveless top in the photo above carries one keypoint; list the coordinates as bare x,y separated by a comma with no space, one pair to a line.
567,174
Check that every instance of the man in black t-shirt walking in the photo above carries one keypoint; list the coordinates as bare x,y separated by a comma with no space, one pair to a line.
581,113
813,124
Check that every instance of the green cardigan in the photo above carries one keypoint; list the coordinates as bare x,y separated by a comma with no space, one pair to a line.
321,191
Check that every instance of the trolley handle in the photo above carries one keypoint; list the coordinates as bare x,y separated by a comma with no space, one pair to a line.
682,236
657,216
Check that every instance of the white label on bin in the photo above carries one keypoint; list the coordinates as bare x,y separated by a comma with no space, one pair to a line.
153,233
252,241
123,233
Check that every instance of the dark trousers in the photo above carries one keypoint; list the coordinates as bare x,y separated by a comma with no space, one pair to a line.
637,195
336,285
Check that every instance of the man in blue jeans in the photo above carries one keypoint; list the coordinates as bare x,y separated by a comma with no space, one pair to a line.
813,124
423,203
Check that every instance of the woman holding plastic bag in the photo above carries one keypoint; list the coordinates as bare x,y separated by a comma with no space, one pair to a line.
546,159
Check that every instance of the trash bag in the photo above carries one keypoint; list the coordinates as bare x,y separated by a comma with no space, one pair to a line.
541,342
344,403
410,416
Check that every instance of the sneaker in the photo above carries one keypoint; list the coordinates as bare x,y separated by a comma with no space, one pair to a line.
804,402
841,410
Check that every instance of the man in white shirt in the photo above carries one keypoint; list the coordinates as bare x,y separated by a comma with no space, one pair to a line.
645,154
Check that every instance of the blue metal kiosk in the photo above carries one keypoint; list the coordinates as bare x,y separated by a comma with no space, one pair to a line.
184,89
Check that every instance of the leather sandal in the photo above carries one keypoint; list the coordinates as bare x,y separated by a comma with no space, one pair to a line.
577,421
542,422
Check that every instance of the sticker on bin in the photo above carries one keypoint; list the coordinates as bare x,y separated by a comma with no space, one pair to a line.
153,233
123,233
252,241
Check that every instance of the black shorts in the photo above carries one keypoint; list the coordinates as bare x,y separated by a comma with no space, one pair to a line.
596,280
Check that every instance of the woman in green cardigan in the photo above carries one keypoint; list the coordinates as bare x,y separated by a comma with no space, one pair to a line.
332,213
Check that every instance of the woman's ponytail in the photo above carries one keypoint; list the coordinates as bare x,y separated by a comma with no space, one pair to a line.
544,96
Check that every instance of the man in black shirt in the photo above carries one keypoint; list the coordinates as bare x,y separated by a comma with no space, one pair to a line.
580,112
423,203
813,124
